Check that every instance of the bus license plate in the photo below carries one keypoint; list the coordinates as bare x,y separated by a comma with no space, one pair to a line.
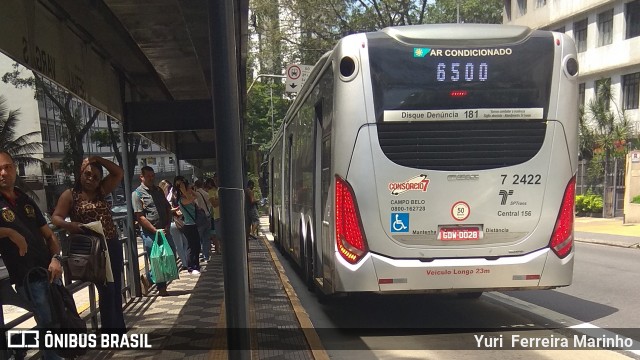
459,233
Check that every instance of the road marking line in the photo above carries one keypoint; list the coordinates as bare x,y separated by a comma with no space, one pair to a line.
570,323
598,332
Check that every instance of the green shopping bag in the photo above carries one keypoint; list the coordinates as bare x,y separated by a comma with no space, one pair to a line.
162,260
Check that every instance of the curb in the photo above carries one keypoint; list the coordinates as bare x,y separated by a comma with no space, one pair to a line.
610,243
315,345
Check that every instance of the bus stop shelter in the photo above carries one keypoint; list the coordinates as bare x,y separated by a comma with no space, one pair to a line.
170,70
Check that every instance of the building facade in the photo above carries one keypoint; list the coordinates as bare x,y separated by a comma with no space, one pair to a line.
40,114
607,36
53,139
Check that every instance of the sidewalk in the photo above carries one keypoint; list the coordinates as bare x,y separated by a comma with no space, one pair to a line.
190,322
607,232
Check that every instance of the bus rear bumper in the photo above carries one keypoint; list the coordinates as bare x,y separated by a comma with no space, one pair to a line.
541,269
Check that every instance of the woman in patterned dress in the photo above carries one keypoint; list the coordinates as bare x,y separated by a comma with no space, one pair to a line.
86,203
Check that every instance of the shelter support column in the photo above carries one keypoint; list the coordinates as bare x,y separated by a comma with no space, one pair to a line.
132,242
225,42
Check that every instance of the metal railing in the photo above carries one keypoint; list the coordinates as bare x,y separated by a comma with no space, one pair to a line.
8,295
610,184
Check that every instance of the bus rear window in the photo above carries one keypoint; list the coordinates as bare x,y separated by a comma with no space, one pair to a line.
422,77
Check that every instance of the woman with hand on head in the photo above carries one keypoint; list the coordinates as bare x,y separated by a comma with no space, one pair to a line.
86,203
185,199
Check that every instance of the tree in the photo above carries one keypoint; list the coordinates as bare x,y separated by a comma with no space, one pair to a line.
265,23
68,109
470,11
110,138
22,148
604,131
102,138
133,141
301,31
259,111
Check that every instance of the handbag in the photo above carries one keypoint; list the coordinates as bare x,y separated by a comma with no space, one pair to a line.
179,220
86,257
162,260
200,218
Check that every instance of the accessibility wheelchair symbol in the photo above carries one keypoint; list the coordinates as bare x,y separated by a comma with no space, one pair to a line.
399,222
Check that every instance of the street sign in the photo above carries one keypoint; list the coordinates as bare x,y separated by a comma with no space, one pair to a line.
635,156
296,76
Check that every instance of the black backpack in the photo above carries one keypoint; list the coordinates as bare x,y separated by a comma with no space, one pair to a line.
86,257
63,307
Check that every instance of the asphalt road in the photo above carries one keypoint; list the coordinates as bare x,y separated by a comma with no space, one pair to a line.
605,290
433,327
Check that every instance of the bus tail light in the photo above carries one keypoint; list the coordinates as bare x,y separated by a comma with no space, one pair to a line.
562,237
350,239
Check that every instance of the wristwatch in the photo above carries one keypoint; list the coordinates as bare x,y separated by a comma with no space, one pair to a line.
57,257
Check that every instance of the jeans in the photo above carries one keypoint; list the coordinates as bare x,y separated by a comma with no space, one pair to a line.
205,239
147,240
41,307
193,251
111,316
180,243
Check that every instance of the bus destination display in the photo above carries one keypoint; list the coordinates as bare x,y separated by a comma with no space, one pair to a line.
451,77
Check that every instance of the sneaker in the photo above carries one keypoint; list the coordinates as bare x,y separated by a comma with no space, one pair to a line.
163,292
195,272
145,284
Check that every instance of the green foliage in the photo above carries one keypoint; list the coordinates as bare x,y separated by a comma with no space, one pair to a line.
471,11
301,31
604,128
589,203
15,78
22,148
636,199
75,125
103,138
595,170
259,112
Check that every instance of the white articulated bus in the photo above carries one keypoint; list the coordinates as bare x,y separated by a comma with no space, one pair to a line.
432,158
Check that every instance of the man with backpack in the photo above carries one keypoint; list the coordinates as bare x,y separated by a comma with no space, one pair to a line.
27,243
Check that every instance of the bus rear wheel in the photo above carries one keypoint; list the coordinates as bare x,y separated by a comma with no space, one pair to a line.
278,238
309,264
